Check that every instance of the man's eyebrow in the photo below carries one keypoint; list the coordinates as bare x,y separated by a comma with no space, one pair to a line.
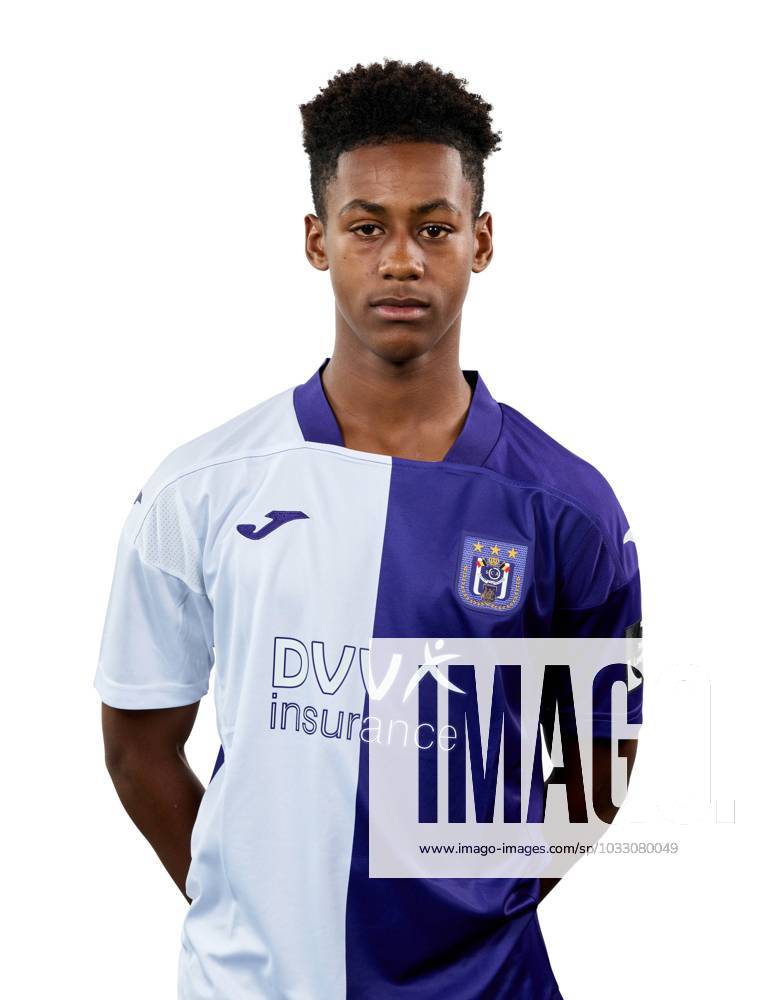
373,208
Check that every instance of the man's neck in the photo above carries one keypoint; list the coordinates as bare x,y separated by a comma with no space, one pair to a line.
407,410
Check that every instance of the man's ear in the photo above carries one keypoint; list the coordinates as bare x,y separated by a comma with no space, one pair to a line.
315,242
484,248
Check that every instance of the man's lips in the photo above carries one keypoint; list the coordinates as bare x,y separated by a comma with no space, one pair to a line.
397,308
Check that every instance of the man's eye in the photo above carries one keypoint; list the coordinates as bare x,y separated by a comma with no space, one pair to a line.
365,225
441,229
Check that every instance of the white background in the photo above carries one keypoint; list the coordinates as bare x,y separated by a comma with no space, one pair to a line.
154,284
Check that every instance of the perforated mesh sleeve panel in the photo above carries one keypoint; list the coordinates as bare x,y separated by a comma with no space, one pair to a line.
167,541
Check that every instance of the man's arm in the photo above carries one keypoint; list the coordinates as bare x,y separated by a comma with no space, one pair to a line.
144,754
602,801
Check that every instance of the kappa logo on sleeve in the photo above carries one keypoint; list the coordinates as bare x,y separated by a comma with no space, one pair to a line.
491,571
277,518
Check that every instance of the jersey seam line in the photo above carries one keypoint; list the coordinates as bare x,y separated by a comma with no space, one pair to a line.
600,604
577,547
167,572
387,461
244,457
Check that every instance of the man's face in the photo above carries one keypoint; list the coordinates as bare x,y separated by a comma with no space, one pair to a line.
399,226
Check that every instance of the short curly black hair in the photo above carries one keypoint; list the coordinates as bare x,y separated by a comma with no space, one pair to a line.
395,102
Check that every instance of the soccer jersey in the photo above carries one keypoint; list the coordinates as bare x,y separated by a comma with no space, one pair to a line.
269,542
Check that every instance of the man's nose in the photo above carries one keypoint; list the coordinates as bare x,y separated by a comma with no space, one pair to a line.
401,259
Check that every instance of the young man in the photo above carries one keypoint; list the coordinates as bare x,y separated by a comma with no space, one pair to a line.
334,512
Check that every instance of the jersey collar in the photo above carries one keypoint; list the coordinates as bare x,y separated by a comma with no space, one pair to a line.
472,447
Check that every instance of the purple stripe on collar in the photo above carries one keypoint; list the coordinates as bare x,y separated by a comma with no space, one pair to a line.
314,413
473,446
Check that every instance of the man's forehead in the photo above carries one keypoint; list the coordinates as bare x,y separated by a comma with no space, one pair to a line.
400,173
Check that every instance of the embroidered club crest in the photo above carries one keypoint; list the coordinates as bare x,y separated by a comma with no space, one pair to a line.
491,572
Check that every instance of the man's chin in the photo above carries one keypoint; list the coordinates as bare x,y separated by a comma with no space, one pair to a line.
399,343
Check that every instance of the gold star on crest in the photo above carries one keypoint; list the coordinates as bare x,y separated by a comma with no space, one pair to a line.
512,553
478,547
495,550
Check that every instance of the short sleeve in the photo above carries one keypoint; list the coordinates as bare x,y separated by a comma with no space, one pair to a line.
157,647
599,596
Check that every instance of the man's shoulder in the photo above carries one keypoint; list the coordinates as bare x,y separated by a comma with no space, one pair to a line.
533,458
270,424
